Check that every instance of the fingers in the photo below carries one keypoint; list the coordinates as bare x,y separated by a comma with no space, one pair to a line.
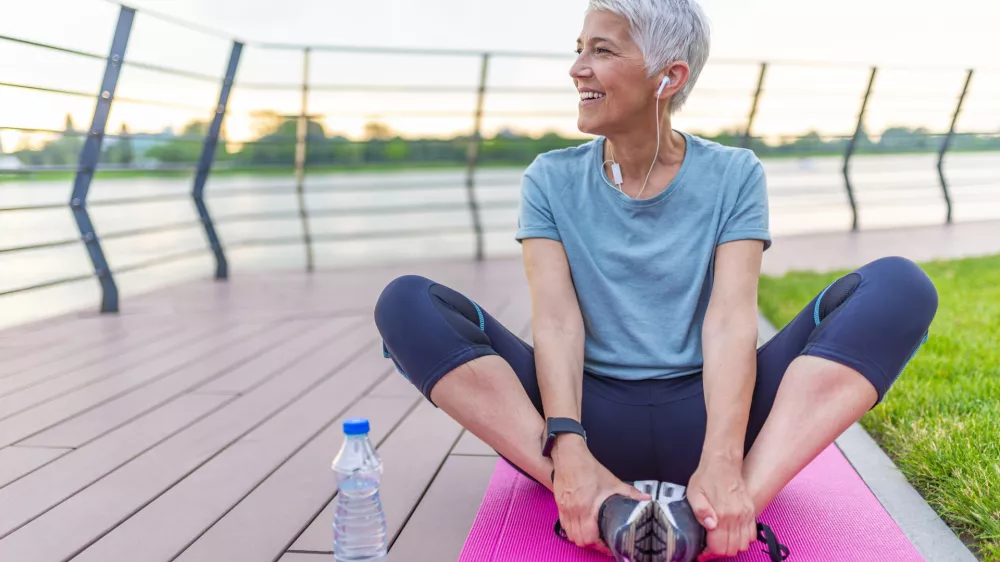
747,535
581,529
590,533
632,492
572,530
718,541
703,510
602,548
733,540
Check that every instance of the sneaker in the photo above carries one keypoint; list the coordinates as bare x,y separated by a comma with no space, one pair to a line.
661,530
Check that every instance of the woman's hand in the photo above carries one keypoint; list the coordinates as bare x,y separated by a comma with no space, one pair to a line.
581,485
722,504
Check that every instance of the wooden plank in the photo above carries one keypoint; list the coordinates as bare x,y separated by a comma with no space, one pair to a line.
245,379
262,525
15,462
258,357
60,359
209,493
77,522
30,496
159,350
395,386
441,523
30,422
470,445
64,337
411,456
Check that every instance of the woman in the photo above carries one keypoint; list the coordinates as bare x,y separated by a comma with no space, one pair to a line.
642,249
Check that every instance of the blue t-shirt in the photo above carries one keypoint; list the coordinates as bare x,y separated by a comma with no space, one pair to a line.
643,269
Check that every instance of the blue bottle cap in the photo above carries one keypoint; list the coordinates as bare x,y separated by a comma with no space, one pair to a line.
356,426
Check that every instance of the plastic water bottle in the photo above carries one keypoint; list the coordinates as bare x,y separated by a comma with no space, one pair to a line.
359,522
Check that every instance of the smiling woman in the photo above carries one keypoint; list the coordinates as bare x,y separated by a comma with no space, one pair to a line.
642,249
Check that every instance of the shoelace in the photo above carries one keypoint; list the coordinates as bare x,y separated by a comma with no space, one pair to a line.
560,532
775,550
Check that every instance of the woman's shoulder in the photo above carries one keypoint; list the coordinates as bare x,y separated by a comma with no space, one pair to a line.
712,150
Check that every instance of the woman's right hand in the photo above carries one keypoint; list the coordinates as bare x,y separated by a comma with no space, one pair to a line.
580,486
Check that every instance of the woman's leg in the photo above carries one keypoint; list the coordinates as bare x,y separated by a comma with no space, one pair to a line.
834,362
469,365
485,397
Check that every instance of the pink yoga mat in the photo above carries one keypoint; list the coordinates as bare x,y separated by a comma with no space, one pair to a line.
825,514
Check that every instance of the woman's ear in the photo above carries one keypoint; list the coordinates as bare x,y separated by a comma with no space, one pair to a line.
675,75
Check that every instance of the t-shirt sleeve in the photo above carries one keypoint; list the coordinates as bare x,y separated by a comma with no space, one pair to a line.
748,219
535,218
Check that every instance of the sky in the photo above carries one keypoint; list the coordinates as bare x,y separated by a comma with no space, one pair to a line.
924,46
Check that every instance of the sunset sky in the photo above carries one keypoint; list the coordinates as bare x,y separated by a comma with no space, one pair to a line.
925,47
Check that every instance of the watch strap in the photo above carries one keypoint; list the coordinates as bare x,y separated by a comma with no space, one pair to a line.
556,426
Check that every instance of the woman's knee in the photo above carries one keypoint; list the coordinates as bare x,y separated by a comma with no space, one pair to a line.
397,299
428,329
412,303
905,283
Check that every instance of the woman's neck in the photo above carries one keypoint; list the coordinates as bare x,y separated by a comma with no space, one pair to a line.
634,152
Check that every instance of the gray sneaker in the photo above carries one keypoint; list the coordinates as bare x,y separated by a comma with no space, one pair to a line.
662,530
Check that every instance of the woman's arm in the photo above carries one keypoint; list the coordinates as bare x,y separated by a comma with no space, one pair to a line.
581,484
557,329
716,491
729,347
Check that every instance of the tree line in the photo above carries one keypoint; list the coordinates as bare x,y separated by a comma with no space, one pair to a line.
276,137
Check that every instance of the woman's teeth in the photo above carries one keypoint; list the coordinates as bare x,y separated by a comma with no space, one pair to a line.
590,95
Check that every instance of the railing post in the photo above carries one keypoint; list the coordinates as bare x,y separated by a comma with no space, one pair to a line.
472,157
947,142
753,108
302,134
90,154
853,143
205,163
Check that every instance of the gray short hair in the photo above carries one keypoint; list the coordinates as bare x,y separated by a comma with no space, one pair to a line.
665,31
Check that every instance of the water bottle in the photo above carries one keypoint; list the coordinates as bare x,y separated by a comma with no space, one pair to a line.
358,523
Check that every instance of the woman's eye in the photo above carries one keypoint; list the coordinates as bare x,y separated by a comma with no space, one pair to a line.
578,50
601,51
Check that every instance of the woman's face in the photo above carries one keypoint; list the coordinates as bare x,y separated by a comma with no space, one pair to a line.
610,75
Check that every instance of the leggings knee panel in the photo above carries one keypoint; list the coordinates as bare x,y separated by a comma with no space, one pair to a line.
428,329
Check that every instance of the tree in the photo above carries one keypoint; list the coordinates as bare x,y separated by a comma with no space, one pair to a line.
375,130
188,148
397,150
120,151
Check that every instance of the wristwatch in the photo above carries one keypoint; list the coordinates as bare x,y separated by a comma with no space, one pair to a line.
555,426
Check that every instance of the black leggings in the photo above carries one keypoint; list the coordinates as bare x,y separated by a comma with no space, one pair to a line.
872,320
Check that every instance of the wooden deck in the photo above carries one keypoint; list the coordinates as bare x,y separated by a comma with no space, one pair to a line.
201,422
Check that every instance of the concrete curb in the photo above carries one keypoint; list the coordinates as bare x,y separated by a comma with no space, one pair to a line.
932,537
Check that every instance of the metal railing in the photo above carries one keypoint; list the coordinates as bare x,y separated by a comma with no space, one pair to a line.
303,141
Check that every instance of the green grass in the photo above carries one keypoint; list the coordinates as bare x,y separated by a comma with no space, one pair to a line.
940,422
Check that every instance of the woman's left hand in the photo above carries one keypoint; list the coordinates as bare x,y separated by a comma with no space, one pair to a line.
722,504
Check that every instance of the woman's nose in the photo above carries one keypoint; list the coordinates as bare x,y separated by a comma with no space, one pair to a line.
580,69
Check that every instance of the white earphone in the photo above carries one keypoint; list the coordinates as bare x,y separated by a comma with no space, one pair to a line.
663,84
616,170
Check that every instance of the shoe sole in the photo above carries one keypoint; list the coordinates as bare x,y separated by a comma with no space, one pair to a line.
647,537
